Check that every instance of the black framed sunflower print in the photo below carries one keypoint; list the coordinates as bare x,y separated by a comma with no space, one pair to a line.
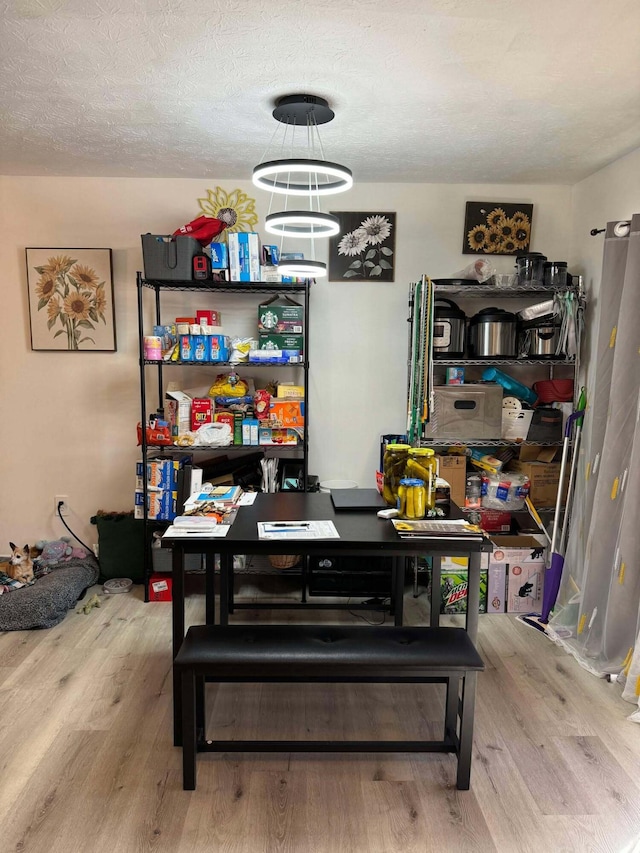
497,228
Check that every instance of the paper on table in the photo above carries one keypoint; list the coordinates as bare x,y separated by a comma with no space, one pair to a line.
247,499
297,530
215,532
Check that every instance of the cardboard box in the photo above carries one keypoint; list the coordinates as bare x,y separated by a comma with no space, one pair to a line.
289,392
286,413
544,474
178,411
244,255
453,469
281,316
524,560
497,587
281,342
160,588
161,505
454,584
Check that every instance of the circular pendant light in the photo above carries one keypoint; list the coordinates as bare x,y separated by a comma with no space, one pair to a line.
302,223
302,177
305,176
303,269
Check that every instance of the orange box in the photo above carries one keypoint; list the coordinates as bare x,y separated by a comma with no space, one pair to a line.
160,587
286,413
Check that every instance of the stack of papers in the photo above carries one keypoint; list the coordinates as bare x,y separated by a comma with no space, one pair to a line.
214,531
434,528
297,530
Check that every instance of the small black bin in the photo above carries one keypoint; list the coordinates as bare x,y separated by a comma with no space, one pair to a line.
546,425
169,258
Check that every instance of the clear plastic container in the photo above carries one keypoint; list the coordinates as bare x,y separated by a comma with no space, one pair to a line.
555,274
394,465
530,268
505,491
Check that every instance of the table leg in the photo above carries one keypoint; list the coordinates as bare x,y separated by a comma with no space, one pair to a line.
177,611
414,561
473,596
210,588
226,577
436,593
398,589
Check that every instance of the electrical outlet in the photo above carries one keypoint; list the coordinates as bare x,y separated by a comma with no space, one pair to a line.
64,509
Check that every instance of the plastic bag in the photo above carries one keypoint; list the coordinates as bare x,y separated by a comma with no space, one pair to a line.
217,434
203,229
480,270
229,385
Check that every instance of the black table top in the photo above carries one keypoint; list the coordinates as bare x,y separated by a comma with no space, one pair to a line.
360,532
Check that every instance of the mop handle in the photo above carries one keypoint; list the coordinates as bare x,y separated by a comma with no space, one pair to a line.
563,464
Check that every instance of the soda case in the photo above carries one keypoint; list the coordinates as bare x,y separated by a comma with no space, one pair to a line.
454,583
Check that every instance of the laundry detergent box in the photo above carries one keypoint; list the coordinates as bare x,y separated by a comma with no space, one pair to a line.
524,559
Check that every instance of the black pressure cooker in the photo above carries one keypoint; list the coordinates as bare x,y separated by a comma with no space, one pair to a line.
448,329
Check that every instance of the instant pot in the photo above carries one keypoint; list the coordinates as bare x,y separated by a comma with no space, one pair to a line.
539,338
448,329
492,334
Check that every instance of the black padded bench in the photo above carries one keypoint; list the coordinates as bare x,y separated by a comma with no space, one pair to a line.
329,654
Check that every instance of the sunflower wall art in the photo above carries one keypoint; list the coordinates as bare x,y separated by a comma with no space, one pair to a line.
236,209
364,248
71,300
497,228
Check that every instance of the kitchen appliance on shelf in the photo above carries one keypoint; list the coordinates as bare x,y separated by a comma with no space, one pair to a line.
540,338
448,329
492,334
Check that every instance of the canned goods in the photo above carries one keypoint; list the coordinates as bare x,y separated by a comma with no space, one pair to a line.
394,464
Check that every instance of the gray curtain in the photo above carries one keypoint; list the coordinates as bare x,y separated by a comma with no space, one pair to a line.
597,617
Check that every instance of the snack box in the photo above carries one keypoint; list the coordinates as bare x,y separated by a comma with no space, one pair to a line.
269,435
160,587
178,411
290,392
201,412
286,413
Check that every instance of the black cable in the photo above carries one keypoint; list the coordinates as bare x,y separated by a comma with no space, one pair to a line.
84,544
370,621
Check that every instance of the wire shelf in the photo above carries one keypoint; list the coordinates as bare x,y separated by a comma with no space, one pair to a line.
507,362
519,290
250,364
224,286
483,442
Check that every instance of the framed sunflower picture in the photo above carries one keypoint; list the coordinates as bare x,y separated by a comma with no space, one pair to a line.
71,300
364,248
497,228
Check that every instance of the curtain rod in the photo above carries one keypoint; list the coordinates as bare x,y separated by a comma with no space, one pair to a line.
620,229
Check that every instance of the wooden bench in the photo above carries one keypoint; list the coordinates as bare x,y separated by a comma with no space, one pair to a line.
310,653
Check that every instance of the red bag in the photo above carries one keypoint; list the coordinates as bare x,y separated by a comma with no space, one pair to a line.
203,229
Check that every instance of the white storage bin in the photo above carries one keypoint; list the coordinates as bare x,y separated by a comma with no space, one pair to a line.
516,423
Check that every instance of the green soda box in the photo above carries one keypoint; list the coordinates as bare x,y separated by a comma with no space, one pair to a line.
454,584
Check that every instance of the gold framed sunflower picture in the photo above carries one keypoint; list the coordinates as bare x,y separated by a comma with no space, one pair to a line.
497,228
71,300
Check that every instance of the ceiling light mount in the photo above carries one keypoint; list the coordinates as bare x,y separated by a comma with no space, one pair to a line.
303,110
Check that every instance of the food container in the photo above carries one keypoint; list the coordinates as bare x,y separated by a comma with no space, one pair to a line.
555,274
554,390
530,267
448,329
492,334
394,464
412,498
423,465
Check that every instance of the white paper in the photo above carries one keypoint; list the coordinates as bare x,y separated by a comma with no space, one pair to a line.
216,532
247,499
297,530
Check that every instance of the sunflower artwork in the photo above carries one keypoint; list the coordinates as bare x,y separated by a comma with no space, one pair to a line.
364,248
71,299
236,209
497,228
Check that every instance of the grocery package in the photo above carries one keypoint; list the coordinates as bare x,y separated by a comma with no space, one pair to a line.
505,491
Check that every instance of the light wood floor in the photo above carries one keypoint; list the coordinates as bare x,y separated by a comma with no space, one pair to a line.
87,762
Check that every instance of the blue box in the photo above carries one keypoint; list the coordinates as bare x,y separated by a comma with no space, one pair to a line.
219,256
161,505
186,348
200,347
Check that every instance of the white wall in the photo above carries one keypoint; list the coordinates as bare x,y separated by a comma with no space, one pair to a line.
611,194
68,419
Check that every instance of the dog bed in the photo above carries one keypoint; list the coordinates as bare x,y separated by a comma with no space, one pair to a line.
46,602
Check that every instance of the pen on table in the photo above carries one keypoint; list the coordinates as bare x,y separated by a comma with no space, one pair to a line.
294,524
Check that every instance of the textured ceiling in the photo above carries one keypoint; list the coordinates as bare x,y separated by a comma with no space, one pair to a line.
423,90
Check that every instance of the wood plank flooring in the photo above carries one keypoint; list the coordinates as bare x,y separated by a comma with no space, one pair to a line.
87,762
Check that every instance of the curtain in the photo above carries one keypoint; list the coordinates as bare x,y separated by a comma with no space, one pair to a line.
597,615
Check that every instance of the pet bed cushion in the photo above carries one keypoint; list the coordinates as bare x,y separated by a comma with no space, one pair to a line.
46,602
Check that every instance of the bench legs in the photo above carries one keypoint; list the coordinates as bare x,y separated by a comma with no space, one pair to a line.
194,717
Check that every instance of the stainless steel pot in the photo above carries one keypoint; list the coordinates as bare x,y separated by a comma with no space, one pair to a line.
492,334
540,340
